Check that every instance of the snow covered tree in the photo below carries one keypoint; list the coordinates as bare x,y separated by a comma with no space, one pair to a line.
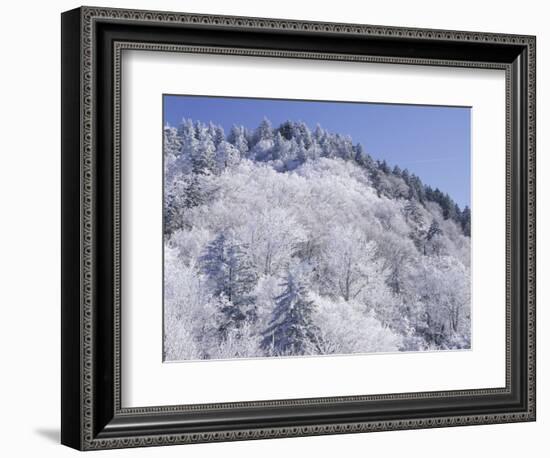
346,327
203,156
351,262
417,188
227,155
291,330
187,134
465,221
189,312
447,205
434,230
237,137
302,152
376,180
396,253
272,239
433,239
216,133
415,218
263,142
264,131
384,167
172,144
175,203
363,159
445,291
231,279
281,148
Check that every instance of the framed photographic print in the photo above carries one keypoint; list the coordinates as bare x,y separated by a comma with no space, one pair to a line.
276,228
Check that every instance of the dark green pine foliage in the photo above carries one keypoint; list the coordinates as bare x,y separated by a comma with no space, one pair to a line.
434,230
418,188
465,220
376,180
291,330
406,176
384,167
232,278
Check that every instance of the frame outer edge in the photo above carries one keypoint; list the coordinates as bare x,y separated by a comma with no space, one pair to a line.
88,16
88,194
307,26
71,307
532,225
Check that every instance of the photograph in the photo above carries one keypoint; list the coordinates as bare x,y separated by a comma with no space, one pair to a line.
277,221
299,228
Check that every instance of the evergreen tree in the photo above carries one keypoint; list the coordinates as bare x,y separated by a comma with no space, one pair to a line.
301,153
227,155
364,159
376,180
406,176
326,145
457,213
280,148
318,133
203,158
194,195
172,142
286,130
216,133
433,243
384,167
174,205
418,187
344,147
465,220
291,151
291,330
264,131
360,155
429,193
448,207
434,230
172,147
418,232
412,195
412,213
232,279
189,141
202,151
238,138
304,134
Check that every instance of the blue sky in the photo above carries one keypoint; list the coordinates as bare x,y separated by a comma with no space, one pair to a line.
431,141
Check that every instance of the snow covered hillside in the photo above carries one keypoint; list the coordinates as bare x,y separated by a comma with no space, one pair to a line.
286,241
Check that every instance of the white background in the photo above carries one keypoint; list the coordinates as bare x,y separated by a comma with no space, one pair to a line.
147,75
29,241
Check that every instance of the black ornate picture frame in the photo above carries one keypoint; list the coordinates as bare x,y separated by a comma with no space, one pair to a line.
92,414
